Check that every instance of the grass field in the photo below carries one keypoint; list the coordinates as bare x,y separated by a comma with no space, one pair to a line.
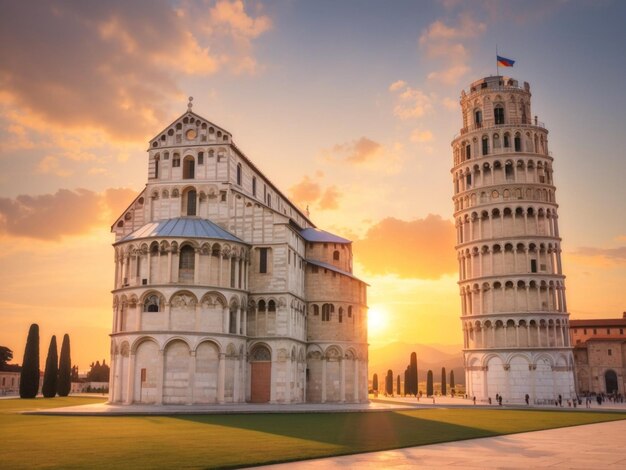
32,441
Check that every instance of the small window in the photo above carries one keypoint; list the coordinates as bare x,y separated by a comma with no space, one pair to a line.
254,185
336,255
143,375
621,331
223,196
485,146
498,113
326,310
507,140
350,311
176,160
595,331
468,151
189,168
608,331
478,117
200,158
263,260
340,315
151,304
239,174
314,269
610,352
518,143
585,331
533,265
316,310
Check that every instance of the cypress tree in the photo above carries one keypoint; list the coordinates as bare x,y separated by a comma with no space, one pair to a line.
452,379
443,381
389,382
375,382
51,374
398,389
29,378
413,374
429,384
406,381
65,368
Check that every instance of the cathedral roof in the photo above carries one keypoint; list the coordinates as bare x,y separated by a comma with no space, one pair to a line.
316,235
330,267
187,227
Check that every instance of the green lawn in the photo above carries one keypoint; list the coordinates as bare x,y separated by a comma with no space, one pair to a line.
31,441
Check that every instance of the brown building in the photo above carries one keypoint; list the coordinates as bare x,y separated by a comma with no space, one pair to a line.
600,354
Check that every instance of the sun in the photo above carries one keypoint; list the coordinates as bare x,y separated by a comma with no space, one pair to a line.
377,318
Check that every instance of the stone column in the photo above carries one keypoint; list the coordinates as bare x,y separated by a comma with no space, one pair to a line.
221,376
192,376
323,379
225,319
356,379
130,382
342,383
238,322
196,266
236,384
160,377
169,265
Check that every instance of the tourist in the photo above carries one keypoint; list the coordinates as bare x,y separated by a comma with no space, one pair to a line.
474,399
527,398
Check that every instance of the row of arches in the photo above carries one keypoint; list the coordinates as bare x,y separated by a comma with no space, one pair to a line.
499,142
516,333
513,295
500,194
514,257
490,173
220,264
506,222
541,376
188,370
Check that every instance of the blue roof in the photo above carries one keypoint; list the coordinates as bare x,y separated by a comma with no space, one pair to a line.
184,227
316,235
330,267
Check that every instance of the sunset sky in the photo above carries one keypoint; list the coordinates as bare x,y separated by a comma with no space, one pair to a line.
349,107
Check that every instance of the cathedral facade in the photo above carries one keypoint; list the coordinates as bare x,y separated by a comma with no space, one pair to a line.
226,292
514,311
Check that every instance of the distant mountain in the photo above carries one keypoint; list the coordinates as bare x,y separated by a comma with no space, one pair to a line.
396,356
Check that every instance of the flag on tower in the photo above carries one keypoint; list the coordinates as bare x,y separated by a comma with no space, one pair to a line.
504,62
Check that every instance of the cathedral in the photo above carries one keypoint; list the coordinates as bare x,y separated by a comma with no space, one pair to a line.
225,291
514,311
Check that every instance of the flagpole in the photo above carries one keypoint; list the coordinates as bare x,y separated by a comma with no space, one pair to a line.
497,64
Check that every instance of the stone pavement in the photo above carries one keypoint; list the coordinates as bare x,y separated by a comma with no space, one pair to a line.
591,446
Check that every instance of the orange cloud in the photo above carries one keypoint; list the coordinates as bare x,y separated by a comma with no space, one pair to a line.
306,191
421,248
420,136
330,199
601,256
410,102
358,151
66,212
114,65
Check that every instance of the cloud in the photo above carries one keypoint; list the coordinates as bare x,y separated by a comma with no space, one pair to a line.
447,43
330,199
397,85
421,248
114,66
449,76
410,103
602,255
420,136
450,104
64,213
359,151
305,192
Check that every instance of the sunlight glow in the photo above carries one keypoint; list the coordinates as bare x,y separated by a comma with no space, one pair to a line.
377,317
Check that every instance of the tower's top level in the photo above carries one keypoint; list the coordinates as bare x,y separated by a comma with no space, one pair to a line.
495,83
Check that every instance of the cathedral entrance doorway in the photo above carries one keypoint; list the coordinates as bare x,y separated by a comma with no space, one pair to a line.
261,375
610,378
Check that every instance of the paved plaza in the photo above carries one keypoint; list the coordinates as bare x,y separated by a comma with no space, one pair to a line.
591,446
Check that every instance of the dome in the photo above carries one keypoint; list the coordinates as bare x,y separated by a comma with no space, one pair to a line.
182,227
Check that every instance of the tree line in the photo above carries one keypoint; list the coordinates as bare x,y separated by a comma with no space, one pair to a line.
411,381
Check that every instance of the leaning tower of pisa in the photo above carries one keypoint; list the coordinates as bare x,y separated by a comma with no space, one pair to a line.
514,313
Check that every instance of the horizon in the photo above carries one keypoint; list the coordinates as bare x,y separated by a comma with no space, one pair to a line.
348,108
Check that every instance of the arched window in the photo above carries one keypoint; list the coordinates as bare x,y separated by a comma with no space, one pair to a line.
152,304
189,166
326,311
176,160
336,255
485,145
340,315
498,114
316,310
271,306
507,140
239,174
186,263
518,143
478,117
191,202
232,320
